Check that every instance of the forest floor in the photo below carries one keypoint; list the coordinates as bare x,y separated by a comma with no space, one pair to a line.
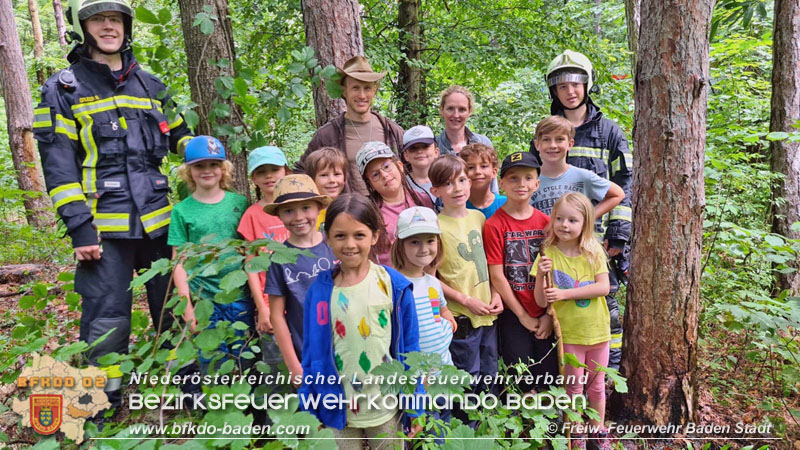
732,390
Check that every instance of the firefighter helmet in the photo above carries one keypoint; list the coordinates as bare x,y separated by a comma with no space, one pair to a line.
80,10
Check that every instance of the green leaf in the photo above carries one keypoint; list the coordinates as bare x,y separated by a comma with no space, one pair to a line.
162,52
26,301
203,310
191,118
126,366
240,86
233,280
108,359
333,88
66,276
161,266
284,115
777,136
164,16
40,290
226,367
299,90
260,263
206,27
209,339
296,67
63,353
145,15
570,359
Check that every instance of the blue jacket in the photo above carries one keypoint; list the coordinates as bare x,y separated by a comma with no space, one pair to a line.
318,339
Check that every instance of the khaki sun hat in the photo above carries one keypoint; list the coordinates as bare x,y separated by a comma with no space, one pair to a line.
358,67
295,188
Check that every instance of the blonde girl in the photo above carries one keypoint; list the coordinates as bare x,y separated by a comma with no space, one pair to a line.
580,275
210,210
418,250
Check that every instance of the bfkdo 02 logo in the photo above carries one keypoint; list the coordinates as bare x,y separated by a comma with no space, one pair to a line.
46,412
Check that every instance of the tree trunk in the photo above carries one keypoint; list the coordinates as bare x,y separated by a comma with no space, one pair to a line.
598,29
333,30
785,113
661,318
60,26
632,20
19,113
38,42
411,91
200,48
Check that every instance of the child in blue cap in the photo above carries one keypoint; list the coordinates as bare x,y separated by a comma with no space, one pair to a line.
211,210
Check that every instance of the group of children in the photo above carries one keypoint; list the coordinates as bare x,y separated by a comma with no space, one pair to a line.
387,275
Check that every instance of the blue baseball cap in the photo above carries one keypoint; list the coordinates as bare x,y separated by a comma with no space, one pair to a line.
202,148
267,154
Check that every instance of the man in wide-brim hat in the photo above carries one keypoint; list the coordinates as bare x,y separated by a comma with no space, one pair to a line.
348,132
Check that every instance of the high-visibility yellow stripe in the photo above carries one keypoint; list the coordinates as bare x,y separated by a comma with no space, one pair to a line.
67,193
111,222
615,166
119,101
41,118
156,219
621,213
89,163
177,122
67,127
182,142
587,152
113,377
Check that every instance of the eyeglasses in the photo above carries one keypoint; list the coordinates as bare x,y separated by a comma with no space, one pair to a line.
100,18
386,167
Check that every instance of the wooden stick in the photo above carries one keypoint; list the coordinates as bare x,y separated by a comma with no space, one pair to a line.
548,283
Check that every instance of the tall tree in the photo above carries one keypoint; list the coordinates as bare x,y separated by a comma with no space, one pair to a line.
210,56
632,20
333,30
785,113
38,41
19,113
411,90
60,26
660,347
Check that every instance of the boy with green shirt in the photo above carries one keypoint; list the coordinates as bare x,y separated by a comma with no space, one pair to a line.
474,303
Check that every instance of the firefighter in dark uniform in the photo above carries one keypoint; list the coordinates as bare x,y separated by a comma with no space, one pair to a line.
103,128
600,146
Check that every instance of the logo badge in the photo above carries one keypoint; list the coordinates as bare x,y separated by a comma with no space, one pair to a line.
516,157
46,413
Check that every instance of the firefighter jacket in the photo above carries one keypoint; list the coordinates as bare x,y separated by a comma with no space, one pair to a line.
601,146
102,137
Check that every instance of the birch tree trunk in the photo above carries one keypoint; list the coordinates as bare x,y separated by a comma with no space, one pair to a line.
219,46
661,318
38,41
60,26
785,113
333,30
19,114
